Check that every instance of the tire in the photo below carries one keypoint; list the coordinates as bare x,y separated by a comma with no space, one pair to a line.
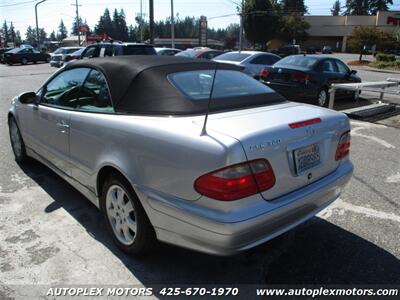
24,61
120,205
47,59
323,98
17,143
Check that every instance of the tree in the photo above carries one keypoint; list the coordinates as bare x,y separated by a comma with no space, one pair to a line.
260,15
132,34
42,35
294,28
357,7
53,37
364,36
293,6
336,8
379,5
105,25
5,31
119,26
12,33
231,36
74,28
30,36
18,39
62,31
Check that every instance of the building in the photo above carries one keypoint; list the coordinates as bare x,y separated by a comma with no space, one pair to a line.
184,43
334,31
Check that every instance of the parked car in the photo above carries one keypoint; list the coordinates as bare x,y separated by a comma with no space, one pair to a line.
287,50
141,153
307,78
204,53
327,50
167,51
311,50
116,49
59,56
24,56
252,62
2,51
72,56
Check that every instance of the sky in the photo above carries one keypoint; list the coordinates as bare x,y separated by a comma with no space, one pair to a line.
220,13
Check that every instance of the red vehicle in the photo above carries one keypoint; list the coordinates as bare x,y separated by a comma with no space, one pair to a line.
204,53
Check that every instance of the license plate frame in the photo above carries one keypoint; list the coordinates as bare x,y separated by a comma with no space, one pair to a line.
306,158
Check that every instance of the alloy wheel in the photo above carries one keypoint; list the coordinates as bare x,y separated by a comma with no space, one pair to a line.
15,137
121,215
322,98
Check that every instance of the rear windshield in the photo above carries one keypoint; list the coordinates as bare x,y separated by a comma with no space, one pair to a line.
197,84
138,50
233,56
187,53
301,61
15,50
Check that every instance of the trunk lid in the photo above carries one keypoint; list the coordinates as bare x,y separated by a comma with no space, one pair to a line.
285,75
265,133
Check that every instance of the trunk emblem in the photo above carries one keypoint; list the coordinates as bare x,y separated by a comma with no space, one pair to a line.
265,145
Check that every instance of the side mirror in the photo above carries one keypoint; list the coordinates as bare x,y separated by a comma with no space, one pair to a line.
353,72
27,98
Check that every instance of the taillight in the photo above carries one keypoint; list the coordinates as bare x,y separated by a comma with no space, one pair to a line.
343,148
300,76
237,181
264,73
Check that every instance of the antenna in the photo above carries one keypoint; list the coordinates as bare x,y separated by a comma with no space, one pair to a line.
204,130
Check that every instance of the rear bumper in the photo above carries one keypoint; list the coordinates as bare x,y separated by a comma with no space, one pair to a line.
295,92
57,64
183,226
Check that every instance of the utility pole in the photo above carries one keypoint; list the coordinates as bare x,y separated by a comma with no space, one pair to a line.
141,21
241,27
77,21
151,16
172,25
37,24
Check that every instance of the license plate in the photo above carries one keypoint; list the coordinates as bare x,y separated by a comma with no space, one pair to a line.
307,158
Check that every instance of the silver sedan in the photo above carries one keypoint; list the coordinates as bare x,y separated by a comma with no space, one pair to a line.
184,151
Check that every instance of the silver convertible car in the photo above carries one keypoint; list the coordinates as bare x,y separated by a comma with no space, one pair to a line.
188,152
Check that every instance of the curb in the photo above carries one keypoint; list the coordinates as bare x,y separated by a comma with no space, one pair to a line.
376,70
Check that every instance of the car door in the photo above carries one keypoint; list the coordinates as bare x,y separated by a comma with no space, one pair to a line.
89,125
51,119
330,72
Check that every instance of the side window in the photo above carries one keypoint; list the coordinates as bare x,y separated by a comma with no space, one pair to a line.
342,67
264,60
63,90
94,96
329,66
91,52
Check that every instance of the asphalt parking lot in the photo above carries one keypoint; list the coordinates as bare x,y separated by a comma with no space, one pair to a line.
51,235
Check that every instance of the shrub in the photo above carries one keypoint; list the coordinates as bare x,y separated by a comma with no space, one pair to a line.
381,57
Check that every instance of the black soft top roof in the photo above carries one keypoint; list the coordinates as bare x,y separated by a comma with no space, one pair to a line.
138,84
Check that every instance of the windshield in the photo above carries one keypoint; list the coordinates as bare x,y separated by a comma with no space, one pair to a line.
15,50
233,56
187,53
301,61
79,52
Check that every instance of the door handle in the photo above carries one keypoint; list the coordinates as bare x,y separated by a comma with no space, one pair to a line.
62,124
